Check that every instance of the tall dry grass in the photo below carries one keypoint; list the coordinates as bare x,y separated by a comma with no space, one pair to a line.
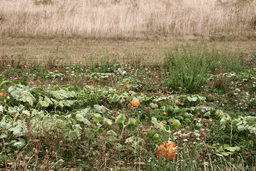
128,18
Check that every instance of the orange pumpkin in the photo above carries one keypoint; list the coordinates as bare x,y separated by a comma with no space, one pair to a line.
2,95
134,103
167,148
177,102
126,85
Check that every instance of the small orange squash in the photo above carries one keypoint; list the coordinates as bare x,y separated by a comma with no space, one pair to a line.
134,103
126,85
167,150
177,102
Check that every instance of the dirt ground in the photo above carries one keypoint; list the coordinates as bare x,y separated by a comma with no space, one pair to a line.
72,50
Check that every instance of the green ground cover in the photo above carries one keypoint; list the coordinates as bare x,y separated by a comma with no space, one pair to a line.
112,115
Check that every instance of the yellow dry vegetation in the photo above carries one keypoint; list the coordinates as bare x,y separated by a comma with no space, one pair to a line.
128,18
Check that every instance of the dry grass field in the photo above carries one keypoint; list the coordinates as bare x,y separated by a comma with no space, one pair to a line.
153,19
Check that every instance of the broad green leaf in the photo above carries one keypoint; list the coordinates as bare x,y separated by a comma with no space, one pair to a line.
108,121
62,94
188,115
46,102
8,125
179,117
35,112
85,111
207,114
241,127
120,119
225,153
131,121
17,130
156,137
192,99
161,127
57,103
251,118
12,109
39,91
164,108
47,119
219,113
68,103
240,123
157,125
151,133
20,143
143,97
225,119
97,118
113,99
124,95
223,116
187,120
154,120
170,108
176,109
3,136
201,98
175,123
13,141
252,129
118,146
199,124
130,139
131,125
20,108
26,96
153,105
99,109
221,149
137,143
6,118
82,119
100,129
104,93
183,110
112,136
26,112
61,123
5,82
73,134
133,94
73,115
11,88
121,71
232,149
